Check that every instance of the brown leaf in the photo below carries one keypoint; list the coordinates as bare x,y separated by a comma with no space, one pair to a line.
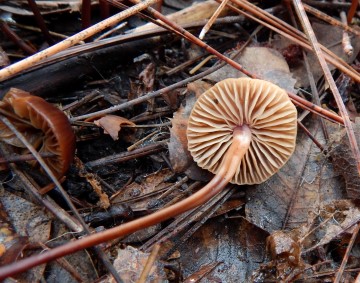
331,221
180,157
265,62
344,161
11,244
150,184
305,182
112,125
236,243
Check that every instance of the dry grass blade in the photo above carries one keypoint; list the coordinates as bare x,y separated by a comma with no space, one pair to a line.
30,61
312,38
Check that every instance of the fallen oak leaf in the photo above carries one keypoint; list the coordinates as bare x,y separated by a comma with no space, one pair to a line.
112,125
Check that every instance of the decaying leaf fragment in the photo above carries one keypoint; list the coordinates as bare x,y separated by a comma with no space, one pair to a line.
332,220
286,262
180,157
267,63
112,125
344,161
11,244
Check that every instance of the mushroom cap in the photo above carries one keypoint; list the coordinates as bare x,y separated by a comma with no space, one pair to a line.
57,135
264,107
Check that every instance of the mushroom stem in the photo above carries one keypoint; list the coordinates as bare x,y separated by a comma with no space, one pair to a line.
233,156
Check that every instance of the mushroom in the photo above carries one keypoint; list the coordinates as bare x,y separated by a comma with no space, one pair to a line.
56,135
244,127
243,130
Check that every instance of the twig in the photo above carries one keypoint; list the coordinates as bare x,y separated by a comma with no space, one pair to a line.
312,38
24,157
149,263
314,91
341,269
316,142
72,40
16,39
330,20
85,13
40,21
140,141
352,10
124,156
212,19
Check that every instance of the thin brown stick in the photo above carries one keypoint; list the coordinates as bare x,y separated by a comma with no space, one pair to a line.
316,142
330,20
314,91
341,269
24,157
85,13
352,10
16,39
72,40
40,21
315,45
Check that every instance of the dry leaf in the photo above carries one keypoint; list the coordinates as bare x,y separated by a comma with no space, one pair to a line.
236,243
332,220
150,184
11,244
265,62
344,161
29,221
180,157
304,184
112,125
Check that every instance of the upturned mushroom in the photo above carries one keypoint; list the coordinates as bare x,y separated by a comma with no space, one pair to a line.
45,126
242,130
